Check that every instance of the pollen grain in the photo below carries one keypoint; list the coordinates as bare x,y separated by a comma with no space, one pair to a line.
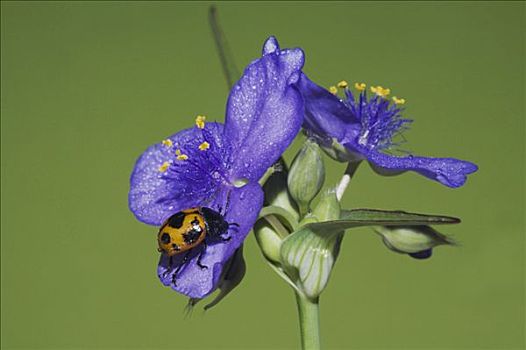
181,156
380,91
204,146
168,143
200,121
398,101
333,90
164,167
342,84
360,86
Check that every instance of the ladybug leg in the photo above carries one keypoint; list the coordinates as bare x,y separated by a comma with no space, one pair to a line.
235,228
200,257
174,276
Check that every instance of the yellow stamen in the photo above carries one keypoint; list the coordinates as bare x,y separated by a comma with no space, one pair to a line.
333,90
200,121
360,86
204,146
181,156
168,143
164,167
380,91
342,84
398,101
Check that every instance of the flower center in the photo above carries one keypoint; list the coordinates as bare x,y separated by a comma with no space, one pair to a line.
199,166
381,119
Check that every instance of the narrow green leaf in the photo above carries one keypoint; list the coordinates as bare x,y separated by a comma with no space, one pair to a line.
373,217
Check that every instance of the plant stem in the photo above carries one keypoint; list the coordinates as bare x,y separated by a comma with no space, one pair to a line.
225,55
309,317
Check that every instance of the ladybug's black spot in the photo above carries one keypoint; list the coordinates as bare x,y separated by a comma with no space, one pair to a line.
176,247
165,238
176,220
192,235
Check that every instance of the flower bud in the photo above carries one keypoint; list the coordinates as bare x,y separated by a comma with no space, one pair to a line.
416,241
268,240
276,193
307,175
328,207
308,258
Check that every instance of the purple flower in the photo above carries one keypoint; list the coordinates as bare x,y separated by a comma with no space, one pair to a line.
218,166
366,127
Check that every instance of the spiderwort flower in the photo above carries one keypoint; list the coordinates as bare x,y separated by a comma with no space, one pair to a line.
366,128
218,166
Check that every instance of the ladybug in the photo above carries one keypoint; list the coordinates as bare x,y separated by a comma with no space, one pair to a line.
189,229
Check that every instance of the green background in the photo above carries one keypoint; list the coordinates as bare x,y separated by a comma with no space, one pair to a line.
86,87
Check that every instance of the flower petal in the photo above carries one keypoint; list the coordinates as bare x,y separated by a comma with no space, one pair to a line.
154,194
196,282
264,111
448,171
325,114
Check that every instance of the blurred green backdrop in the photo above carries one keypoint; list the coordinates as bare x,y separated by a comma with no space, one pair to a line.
86,87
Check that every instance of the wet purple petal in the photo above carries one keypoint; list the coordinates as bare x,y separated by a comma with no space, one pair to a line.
195,282
325,114
155,195
264,111
448,171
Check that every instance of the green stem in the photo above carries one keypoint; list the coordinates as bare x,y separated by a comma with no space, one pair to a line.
309,317
225,55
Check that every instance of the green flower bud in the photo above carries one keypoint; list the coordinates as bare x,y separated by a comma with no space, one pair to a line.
276,193
269,240
417,241
308,258
328,207
307,175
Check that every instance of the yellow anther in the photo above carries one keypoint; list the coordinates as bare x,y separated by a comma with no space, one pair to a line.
181,156
380,91
333,90
204,146
164,167
342,84
200,121
398,101
168,143
360,86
